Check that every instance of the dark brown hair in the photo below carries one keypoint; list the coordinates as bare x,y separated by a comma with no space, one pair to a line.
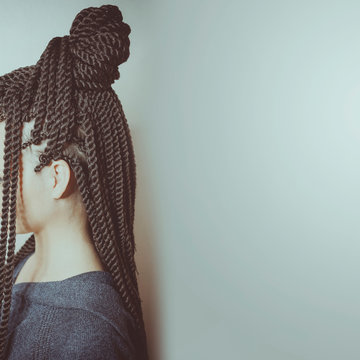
68,94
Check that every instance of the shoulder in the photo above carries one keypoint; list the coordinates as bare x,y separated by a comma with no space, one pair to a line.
81,334
82,317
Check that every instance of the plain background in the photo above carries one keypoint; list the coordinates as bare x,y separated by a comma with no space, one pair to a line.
245,117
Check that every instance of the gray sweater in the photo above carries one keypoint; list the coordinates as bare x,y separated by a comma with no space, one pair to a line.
81,317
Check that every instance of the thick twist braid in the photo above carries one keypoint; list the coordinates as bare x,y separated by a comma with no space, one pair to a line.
7,281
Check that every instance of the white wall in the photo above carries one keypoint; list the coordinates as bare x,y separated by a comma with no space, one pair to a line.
246,124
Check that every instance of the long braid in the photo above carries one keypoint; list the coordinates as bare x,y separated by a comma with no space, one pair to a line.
5,203
127,242
7,279
68,94
8,198
113,158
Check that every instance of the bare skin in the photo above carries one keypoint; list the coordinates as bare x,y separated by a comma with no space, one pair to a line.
49,205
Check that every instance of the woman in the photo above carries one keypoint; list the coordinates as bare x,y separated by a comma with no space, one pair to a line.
68,177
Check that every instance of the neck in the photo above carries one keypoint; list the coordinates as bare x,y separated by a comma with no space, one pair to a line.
63,252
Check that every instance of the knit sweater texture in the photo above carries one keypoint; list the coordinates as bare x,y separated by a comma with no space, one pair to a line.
79,318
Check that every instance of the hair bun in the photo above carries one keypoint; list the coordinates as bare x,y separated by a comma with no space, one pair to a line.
99,43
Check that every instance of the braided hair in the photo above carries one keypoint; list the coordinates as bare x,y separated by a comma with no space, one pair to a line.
69,97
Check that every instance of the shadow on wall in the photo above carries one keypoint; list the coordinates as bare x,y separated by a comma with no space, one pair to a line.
147,279
146,252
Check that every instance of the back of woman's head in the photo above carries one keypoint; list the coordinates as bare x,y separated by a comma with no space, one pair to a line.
75,115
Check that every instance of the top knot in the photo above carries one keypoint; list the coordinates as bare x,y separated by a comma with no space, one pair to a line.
99,43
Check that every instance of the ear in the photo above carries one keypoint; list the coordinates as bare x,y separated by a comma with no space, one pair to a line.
62,179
